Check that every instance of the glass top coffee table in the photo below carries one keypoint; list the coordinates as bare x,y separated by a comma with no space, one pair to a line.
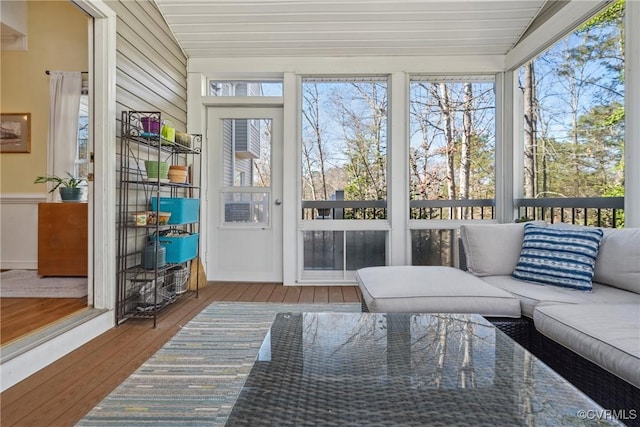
348,369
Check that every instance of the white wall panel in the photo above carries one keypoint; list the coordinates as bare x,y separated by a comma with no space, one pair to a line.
19,237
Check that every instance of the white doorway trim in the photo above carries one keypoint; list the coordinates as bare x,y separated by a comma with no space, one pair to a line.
102,73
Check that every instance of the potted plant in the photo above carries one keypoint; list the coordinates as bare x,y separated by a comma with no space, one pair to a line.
69,188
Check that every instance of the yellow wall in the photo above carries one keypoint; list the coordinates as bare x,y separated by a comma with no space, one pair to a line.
57,40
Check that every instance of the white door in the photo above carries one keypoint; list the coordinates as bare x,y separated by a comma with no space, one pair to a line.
245,193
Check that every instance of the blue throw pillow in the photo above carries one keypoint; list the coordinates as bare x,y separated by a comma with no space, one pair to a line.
558,257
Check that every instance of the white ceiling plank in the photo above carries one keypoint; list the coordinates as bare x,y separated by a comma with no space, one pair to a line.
480,37
379,25
329,17
346,43
312,7
387,52
479,63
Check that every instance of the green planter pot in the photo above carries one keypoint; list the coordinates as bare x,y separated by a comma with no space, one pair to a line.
155,168
71,194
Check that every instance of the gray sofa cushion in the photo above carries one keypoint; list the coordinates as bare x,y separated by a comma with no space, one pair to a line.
532,295
618,261
607,335
422,289
492,249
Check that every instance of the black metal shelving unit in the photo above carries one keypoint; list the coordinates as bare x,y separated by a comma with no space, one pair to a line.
147,286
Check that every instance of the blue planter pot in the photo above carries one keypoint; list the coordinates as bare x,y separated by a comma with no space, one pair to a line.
71,194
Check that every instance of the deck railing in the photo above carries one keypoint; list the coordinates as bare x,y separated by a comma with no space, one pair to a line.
452,209
377,209
595,211
344,209
325,250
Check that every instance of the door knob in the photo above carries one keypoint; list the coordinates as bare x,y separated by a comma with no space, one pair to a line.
278,202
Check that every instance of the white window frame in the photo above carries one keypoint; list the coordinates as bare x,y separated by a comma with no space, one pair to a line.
501,165
310,277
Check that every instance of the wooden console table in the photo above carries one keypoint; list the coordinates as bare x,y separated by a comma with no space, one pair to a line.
63,239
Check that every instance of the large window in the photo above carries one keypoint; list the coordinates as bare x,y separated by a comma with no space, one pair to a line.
451,161
344,173
344,145
574,120
452,145
82,156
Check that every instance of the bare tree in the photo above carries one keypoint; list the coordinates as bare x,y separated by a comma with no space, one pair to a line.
447,118
425,172
314,145
362,113
453,137
530,129
465,146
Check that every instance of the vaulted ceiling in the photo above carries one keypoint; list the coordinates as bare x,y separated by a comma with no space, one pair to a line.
260,28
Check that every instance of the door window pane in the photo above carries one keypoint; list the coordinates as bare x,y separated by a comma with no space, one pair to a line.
247,152
246,208
246,171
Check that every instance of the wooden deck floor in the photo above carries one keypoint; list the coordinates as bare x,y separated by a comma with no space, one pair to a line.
62,393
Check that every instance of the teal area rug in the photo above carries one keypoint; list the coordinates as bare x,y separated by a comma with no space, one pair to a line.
195,378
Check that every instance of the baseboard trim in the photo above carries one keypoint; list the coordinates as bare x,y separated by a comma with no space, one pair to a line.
22,198
19,265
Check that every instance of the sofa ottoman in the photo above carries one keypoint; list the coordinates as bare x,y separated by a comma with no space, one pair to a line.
431,289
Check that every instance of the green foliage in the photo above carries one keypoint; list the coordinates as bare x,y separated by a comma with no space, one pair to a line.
580,96
614,190
482,169
71,181
364,133
603,37
612,14
616,117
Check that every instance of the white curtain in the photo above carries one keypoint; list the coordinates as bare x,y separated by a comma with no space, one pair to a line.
65,88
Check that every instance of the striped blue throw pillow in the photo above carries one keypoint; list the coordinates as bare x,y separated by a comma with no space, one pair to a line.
558,257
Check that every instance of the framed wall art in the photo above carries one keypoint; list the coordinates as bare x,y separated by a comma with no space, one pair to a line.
15,133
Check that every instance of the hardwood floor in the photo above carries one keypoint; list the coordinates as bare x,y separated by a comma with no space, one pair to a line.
21,316
62,393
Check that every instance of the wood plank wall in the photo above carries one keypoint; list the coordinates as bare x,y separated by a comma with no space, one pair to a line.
151,75
151,69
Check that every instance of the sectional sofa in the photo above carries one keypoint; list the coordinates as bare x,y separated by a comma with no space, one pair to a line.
584,322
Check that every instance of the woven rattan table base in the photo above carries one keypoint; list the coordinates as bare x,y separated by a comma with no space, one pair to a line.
375,369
